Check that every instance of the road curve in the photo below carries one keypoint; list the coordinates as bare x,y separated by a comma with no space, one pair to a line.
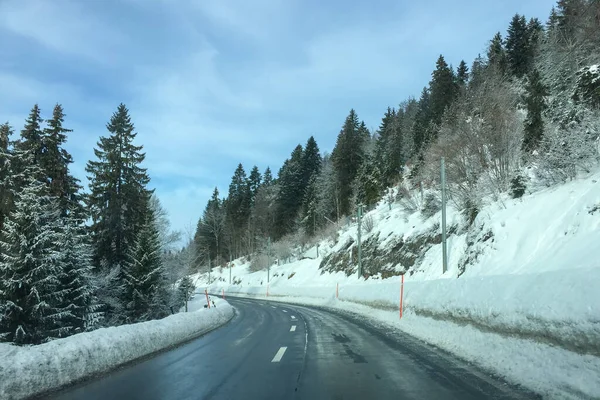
278,351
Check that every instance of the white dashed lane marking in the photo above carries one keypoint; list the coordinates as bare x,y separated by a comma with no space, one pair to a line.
284,310
293,317
293,328
279,354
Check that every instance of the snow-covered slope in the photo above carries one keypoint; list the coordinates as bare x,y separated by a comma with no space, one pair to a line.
527,270
28,371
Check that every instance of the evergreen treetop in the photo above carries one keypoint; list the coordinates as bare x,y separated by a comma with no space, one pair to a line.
118,199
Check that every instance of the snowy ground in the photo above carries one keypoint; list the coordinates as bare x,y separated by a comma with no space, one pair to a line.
27,371
527,306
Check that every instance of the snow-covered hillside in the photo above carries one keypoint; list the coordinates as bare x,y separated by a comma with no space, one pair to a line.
523,276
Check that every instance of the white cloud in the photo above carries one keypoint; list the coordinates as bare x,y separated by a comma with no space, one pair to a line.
236,81
64,26
257,19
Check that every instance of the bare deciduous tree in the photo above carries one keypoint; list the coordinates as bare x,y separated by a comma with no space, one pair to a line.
481,145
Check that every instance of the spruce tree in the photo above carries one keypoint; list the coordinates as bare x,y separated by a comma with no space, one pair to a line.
347,156
390,152
29,267
368,183
238,207
56,161
291,193
384,137
462,73
396,153
496,54
311,220
254,181
264,210
144,277
517,46
421,125
535,33
568,15
76,309
477,73
328,192
442,90
267,177
77,306
31,142
6,178
536,105
210,231
311,161
118,197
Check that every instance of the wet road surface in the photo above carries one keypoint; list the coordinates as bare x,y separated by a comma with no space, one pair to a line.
273,350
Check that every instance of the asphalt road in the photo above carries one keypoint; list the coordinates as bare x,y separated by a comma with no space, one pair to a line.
279,351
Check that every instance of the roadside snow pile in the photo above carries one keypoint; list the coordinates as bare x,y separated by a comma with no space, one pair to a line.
28,371
550,307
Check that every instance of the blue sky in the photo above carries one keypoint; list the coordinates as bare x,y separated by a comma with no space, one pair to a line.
212,83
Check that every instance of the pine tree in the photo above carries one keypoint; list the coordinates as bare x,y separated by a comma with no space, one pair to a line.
397,152
210,231
442,90
185,290
364,137
535,33
368,184
568,15
29,270
144,278
267,177
517,46
496,54
536,105
311,221
31,142
311,161
254,183
6,178
118,198
384,138
347,157
238,207
477,73
552,19
56,161
264,210
291,193
462,73
421,125
328,192
77,307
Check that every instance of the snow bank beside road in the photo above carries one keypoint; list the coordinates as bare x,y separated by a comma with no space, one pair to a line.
550,371
539,330
27,371
550,307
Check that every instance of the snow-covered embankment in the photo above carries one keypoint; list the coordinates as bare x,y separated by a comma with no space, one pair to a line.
27,371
